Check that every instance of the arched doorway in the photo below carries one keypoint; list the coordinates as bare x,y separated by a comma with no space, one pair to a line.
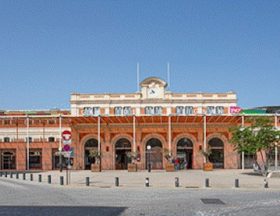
154,155
217,152
91,144
185,153
122,148
8,159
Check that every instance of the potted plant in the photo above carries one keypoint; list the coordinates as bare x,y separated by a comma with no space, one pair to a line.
207,166
94,153
169,166
133,157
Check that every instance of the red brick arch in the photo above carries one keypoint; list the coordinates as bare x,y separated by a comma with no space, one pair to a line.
83,142
115,140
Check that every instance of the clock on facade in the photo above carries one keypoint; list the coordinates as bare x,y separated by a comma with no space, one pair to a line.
153,92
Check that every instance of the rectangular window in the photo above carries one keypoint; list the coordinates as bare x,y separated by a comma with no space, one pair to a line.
180,110
118,110
51,139
189,110
91,111
127,110
149,110
210,110
158,110
88,111
219,110
6,139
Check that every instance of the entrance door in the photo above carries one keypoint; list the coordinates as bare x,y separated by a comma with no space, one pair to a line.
122,149
154,155
90,145
217,152
185,153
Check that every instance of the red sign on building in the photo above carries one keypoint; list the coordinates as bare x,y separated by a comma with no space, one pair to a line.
66,135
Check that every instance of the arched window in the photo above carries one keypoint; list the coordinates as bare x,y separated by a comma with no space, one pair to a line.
184,143
123,143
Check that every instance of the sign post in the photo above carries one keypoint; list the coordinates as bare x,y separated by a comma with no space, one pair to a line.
66,138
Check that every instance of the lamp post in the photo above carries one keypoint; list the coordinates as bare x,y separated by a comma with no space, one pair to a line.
149,158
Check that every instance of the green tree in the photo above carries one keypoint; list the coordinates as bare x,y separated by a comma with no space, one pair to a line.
260,137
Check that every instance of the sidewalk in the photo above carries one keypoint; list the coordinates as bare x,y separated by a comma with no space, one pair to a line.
160,179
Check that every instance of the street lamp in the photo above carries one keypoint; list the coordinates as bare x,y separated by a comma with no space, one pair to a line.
149,158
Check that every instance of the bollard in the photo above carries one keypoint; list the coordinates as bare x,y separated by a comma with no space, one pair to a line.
11,175
31,177
61,180
87,181
17,175
265,183
6,174
236,183
117,182
40,178
49,179
207,183
176,182
23,176
147,182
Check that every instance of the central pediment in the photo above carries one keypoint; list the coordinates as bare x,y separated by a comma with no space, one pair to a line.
150,81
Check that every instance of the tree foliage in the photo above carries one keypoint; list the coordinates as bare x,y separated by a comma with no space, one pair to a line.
260,137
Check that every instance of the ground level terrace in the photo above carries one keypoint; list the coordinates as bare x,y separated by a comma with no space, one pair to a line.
117,136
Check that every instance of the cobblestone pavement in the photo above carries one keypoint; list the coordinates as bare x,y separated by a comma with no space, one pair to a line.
22,198
19,197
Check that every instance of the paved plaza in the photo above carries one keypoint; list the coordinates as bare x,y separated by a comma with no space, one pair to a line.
25,197
219,179
132,197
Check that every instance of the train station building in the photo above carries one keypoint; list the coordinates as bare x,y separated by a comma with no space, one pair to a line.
154,123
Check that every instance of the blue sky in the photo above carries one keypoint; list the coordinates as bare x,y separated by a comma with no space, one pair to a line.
49,49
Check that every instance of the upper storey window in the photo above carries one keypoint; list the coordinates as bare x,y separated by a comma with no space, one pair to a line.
149,110
218,110
127,111
91,111
122,110
118,110
210,110
189,110
180,110
158,110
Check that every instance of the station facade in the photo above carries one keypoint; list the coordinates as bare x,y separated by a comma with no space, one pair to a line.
153,123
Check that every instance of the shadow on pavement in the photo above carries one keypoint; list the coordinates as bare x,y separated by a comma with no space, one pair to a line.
60,210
